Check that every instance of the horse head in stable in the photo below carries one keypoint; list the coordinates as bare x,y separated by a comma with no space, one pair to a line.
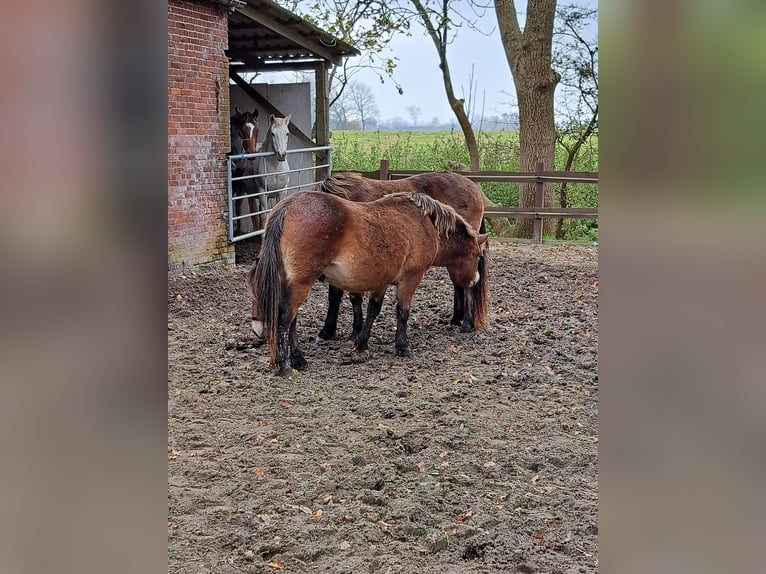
244,135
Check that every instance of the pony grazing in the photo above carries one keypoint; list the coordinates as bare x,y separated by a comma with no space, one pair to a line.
274,170
358,247
244,140
470,306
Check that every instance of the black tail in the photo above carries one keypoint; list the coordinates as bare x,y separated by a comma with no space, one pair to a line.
480,291
265,280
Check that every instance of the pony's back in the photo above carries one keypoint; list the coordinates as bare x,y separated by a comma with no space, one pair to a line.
451,188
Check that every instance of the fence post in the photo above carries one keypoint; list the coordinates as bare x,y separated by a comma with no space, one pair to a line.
537,232
383,169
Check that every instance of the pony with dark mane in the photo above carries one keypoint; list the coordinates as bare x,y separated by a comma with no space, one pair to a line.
470,306
244,140
358,247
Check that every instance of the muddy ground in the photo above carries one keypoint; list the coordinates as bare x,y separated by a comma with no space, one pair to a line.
479,453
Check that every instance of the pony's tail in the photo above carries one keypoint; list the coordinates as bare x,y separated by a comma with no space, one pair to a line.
265,280
480,291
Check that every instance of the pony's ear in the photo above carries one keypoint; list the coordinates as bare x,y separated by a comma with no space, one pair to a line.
237,111
255,113
482,238
287,118
272,117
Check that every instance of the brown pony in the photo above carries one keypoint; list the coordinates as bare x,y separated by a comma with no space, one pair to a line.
470,306
358,247
244,140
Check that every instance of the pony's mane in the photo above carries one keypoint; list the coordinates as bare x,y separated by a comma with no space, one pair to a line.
444,217
341,184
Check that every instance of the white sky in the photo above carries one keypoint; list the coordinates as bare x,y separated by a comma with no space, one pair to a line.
418,72
419,75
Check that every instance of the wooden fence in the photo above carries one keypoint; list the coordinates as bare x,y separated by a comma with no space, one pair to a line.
538,177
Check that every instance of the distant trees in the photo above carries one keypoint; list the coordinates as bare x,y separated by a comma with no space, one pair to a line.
414,112
355,104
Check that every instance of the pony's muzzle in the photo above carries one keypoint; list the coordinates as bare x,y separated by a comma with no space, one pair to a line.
281,156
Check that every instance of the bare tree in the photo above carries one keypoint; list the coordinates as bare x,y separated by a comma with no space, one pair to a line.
576,56
340,112
529,55
414,112
362,103
437,19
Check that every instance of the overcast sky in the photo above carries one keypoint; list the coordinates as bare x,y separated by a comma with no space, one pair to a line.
419,74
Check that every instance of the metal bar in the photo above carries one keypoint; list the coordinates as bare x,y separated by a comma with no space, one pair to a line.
229,200
271,153
248,235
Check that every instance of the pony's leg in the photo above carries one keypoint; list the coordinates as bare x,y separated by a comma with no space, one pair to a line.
404,293
263,205
284,326
458,306
246,224
373,309
255,219
297,360
462,313
289,354
401,343
356,304
467,326
334,297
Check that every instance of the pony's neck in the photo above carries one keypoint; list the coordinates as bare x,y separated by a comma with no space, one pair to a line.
268,142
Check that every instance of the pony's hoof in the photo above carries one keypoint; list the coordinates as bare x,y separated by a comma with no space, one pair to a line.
286,373
466,329
403,352
299,363
456,321
324,336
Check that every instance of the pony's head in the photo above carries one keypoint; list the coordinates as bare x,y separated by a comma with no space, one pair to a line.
278,132
244,135
463,251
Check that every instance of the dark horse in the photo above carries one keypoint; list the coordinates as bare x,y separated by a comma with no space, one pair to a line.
358,247
470,306
244,138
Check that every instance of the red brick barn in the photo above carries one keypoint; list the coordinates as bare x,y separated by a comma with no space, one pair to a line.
203,37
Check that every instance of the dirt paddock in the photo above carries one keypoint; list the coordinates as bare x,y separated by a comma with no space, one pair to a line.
479,453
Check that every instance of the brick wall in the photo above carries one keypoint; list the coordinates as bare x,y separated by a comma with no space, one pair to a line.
198,135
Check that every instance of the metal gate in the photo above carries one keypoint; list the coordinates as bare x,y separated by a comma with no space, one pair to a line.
302,177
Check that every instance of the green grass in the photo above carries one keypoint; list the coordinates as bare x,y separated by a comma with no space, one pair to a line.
430,151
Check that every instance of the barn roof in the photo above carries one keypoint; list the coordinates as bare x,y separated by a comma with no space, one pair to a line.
264,36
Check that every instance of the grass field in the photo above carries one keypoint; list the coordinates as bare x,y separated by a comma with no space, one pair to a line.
430,151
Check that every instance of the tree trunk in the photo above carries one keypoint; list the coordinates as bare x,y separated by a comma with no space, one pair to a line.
529,58
536,139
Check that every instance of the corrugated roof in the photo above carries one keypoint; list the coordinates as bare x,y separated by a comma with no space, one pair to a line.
265,36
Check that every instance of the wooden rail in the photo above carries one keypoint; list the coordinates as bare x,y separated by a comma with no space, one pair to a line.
539,177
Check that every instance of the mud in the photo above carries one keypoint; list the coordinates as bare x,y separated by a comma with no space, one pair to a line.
478,453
